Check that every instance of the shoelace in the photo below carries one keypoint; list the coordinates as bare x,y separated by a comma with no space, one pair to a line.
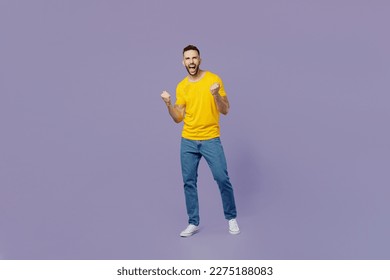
190,227
233,224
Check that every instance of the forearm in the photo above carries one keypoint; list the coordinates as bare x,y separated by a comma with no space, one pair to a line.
174,112
222,104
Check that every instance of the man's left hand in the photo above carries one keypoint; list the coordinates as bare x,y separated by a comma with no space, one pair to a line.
215,89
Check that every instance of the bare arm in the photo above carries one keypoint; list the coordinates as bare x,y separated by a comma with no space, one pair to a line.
175,111
221,101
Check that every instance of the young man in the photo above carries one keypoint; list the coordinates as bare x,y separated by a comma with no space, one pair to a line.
200,98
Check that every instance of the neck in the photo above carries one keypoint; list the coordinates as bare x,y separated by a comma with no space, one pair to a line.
196,77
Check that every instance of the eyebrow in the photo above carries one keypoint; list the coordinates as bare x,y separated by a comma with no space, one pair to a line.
187,57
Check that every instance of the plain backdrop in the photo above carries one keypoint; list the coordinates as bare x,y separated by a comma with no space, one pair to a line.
89,157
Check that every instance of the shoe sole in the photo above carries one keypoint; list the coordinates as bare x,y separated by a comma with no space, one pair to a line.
234,232
189,234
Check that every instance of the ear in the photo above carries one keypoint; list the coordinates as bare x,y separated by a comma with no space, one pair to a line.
183,63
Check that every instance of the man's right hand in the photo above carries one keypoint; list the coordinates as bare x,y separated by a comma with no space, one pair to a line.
166,97
176,111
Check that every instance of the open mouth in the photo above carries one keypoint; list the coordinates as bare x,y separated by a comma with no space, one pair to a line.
192,69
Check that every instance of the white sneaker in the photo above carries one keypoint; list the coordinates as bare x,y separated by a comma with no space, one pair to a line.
190,230
233,227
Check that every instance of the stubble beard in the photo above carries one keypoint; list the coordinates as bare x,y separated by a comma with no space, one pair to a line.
194,73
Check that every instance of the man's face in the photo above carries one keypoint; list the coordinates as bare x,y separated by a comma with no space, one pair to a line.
191,61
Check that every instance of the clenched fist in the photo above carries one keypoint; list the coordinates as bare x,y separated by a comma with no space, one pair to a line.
215,89
166,97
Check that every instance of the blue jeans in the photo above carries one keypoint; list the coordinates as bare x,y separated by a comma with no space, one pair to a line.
191,151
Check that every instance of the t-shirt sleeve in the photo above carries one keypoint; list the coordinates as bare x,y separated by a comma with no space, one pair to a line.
222,88
179,96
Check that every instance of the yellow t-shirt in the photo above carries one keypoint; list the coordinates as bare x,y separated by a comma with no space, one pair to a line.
201,120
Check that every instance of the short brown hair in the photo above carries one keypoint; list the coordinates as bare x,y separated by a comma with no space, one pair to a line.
191,47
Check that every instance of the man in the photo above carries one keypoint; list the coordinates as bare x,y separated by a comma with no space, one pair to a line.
200,97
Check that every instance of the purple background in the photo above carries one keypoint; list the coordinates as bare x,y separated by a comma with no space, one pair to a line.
89,158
